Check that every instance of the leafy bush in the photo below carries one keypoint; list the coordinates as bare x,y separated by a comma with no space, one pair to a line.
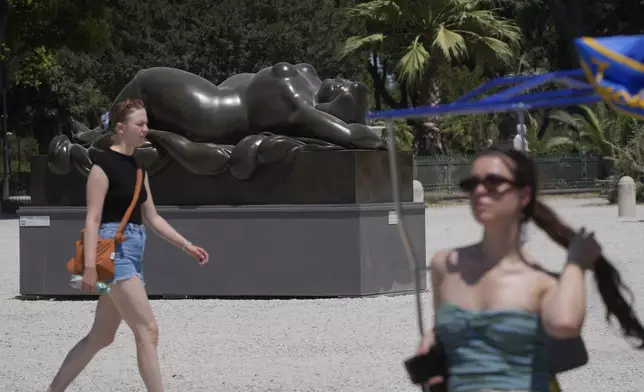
404,134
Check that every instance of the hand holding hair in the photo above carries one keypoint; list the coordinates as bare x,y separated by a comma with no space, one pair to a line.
607,278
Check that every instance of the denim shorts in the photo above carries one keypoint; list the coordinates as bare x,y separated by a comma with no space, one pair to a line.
128,261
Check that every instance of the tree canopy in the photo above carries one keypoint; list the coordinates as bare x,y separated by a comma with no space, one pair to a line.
69,58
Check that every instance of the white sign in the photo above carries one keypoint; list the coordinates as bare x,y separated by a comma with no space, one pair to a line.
34,221
393,218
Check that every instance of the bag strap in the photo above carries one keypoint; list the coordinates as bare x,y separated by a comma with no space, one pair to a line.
130,209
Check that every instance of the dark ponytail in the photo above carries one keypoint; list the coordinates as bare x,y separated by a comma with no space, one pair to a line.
608,280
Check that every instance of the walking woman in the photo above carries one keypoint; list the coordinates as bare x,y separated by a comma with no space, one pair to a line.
110,190
494,304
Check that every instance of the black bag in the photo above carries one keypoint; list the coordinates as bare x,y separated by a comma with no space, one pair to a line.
565,354
421,368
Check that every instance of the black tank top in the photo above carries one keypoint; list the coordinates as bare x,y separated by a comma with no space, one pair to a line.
121,173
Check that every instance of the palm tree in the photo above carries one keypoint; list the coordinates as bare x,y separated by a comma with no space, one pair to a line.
598,131
421,35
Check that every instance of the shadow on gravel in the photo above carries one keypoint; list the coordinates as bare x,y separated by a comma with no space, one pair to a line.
89,297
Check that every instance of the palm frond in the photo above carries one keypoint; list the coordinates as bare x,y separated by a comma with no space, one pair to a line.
358,43
412,65
499,49
557,141
567,119
412,31
450,43
385,11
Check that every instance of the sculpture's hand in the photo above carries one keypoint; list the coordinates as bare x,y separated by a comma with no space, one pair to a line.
366,138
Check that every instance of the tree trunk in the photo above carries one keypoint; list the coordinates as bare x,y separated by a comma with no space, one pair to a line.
569,23
380,87
403,95
429,91
429,95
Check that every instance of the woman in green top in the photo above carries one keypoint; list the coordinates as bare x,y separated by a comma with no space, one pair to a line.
494,304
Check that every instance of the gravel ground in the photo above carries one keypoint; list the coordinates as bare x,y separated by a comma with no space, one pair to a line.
300,345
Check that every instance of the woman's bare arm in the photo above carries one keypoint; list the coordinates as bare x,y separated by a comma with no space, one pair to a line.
97,184
563,307
158,224
437,271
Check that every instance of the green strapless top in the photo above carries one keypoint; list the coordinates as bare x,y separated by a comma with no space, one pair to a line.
502,349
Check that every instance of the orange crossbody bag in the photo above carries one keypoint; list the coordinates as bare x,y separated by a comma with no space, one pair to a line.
105,248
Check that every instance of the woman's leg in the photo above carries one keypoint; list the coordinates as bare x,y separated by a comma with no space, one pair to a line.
106,322
132,302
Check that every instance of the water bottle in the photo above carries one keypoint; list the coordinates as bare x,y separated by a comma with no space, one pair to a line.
77,283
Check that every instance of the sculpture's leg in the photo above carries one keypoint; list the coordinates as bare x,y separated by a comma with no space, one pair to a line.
151,159
198,158
262,148
85,135
146,154
326,127
103,141
315,144
275,148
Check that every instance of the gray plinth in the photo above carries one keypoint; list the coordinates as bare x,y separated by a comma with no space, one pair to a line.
256,251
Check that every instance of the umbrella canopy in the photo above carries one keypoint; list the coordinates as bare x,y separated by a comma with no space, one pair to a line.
614,67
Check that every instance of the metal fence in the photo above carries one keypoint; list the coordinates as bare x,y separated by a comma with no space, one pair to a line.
440,174
16,182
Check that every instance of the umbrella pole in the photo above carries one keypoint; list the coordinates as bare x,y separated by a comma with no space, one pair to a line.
524,147
402,228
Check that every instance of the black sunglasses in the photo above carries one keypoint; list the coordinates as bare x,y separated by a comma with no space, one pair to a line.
491,183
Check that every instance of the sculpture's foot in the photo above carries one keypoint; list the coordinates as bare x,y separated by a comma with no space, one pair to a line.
63,155
198,158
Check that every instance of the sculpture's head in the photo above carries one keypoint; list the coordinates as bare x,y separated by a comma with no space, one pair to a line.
130,121
344,99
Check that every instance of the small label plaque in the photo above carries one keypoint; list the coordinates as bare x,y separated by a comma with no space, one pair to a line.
34,221
393,218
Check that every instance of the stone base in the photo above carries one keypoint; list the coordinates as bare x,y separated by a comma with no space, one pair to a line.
315,177
255,251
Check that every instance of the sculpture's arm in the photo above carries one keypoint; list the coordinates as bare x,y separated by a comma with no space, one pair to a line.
322,125
326,127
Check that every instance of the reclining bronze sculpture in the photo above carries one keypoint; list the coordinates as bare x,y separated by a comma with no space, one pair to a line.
246,120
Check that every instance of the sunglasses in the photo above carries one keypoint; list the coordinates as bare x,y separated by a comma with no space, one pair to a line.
491,183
